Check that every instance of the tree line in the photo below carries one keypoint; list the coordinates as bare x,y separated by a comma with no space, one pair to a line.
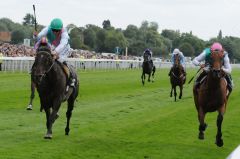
136,39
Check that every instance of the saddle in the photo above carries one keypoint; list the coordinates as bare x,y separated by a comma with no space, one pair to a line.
65,68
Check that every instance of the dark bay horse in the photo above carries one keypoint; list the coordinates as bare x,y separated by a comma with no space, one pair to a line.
51,82
147,68
212,95
177,77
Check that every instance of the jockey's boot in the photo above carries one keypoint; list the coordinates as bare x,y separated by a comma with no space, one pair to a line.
229,82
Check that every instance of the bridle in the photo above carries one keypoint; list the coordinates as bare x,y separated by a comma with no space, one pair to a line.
178,67
43,75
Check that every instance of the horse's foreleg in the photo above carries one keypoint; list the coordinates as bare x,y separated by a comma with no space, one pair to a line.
52,116
48,124
143,78
219,140
175,93
69,114
171,91
149,77
181,88
203,125
31,96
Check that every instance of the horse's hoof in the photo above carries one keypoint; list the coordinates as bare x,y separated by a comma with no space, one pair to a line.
205,126
57,116
201,136
29,107
180,97
219,143
48,136
67,131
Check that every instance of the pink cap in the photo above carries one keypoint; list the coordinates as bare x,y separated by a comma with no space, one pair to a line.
216,47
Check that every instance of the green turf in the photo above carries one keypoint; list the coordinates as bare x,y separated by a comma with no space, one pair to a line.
114,117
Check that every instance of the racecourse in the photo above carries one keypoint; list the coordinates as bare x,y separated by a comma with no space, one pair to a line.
114,117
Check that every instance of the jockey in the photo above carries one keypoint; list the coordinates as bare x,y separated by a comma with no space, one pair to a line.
58,37
149,53
182,60
206,56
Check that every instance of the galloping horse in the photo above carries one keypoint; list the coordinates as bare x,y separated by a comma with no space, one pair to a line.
147,68
212,95
177,77
51,81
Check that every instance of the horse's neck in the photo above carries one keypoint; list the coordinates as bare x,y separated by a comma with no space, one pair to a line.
55,72
177,69
212,83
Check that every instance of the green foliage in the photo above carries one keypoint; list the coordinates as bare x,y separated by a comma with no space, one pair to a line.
17,36
196,43
187,49
170,34
114,39
29,19
8,23
106,24
3,27
90,37
137,39
76,37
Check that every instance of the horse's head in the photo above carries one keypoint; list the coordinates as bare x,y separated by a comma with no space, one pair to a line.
217,62
43,62
146,57
176,59
177,67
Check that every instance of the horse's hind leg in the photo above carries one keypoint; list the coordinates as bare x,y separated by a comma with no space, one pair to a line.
149,77
219,141
29,107
143,78
69,114
153,72
171,91
203,125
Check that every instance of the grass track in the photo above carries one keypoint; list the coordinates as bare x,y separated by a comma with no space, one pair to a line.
115,117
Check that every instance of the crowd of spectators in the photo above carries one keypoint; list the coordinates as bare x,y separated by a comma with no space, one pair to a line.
12,50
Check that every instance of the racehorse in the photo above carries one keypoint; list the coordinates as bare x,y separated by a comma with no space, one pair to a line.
177,77
212,95
51,81
147,68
